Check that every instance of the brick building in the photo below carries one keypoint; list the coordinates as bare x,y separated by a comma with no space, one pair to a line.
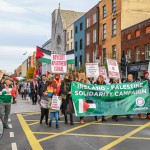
135,41
91,34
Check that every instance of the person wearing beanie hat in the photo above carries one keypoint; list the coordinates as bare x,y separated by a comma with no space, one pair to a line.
146,78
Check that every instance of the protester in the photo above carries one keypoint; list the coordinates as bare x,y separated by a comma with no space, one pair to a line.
67,105
100,81
5,101
146,78
56,83
50,89
42,85
14,92
34,89
43,102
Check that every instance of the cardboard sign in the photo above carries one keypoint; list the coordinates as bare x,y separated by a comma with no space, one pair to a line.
59,64
44,103
102,71
56,103
113,70
92,70
81,76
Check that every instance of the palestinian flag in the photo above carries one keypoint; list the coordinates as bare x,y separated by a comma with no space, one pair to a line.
19,79
36,76
87,106
43,55
6,97
70,57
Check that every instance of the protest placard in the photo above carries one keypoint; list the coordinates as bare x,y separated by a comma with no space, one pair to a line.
81,76
102,71
59,64
113,70
92,70
56,103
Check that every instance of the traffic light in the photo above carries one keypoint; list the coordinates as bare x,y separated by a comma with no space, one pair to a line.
123,64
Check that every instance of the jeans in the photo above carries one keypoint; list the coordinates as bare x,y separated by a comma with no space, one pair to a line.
53,115
5,111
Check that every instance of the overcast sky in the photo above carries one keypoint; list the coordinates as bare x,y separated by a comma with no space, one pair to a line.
24,24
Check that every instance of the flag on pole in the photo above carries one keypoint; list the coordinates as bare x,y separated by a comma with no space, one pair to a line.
43,55
70,57
36,75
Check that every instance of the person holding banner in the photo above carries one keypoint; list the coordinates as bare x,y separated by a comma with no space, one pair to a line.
100,81
146,78
67,105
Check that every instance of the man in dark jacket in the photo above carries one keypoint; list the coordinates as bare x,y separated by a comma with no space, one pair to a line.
146,78
42,85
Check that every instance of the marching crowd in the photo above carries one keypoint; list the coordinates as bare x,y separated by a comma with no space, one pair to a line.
41,92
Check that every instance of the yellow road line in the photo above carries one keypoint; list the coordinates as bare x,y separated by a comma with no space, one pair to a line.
33,123
64,132
111,124
139,138
30,136
119,140
44,133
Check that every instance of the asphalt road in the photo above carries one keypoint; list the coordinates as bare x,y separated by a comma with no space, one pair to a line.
27,134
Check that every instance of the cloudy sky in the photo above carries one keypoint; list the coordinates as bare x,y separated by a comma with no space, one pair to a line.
27,23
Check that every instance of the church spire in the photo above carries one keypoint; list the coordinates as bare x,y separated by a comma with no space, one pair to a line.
59,6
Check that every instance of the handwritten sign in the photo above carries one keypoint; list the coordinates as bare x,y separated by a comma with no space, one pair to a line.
92,70
59,64
102,71
56,103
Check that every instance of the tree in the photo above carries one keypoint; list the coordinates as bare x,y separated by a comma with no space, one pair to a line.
30,73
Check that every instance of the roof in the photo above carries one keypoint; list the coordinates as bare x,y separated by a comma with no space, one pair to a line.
69,17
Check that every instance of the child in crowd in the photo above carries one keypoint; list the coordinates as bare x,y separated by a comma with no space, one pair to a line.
43,102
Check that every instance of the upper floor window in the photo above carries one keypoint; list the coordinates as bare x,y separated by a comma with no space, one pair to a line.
104,11
76,29
147,51
137,53
87,57
80,44
76,46
137,33
94,36
114,27
81,26
94,18
147,29
129,36
76,61
71,34
114,51
104,56
88,22
104,31
87,39
113,6
67,36
129,55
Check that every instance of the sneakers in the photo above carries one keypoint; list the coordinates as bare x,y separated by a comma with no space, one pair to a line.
81,121
57,126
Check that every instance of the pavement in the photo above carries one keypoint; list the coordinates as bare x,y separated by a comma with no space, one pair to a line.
27,134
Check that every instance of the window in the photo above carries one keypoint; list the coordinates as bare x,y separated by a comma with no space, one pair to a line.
129,36
114,27
113,6
87,39
94,35
114,51
87,57
137,53
71,45
147,51
137,33
80,60
76,61
104,31
71,34
129,55
147,30
67,36
67,47
76,29
76,46
80,44
88,22
104,56
81,27
59,40
94,56
94,18
104,11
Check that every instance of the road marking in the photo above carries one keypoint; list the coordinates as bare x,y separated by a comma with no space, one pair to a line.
9,120
119,140
10,125
34,123
14,146
44,133
30,136
11,134
111,124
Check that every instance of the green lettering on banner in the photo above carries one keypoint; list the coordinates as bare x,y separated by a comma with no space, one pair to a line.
114,99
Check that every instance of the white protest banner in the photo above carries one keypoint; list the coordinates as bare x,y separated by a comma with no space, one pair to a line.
92,70
113,70
102,71
56,103
44,103
59,64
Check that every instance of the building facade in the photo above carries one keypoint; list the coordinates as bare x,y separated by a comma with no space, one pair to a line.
79,42
24,68
136,44
91,34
